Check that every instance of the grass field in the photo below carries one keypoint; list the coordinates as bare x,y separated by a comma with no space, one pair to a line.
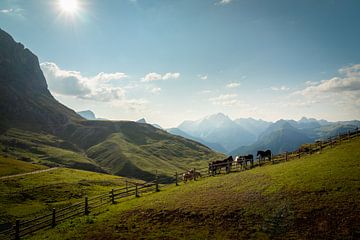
10,166
315,197
45,149
27,196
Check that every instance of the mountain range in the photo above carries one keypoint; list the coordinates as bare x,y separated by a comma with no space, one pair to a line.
248,135
36,127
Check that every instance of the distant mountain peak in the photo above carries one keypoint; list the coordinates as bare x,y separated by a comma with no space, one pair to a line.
87,114
141,120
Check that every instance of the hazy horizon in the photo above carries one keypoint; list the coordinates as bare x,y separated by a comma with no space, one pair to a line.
170,61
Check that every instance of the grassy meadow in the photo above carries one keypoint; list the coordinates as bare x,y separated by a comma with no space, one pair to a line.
11,166
25,197
315,197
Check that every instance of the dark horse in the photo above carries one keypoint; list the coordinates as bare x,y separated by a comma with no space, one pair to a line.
249,158
244,160
264,154
217,165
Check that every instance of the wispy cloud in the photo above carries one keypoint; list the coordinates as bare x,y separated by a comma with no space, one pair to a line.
228,100
224,2
202,77
153,76
12,11
281,88
155,90
206,91
311,83
233,85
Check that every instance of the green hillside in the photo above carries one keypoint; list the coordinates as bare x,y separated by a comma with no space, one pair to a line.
10,166
27,196
315,197
45,149
138,150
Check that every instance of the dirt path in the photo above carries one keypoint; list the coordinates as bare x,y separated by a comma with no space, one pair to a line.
29,173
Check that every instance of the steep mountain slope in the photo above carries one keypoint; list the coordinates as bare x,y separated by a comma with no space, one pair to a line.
254,126
279,137
25,101
220,129
34,125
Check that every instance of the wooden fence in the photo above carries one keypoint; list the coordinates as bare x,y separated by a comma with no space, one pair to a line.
85,207
90,205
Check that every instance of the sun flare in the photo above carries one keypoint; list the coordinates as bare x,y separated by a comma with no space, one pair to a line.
69,6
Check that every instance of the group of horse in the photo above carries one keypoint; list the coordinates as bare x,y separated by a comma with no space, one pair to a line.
242,161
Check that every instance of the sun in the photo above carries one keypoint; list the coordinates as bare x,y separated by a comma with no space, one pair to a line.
69,6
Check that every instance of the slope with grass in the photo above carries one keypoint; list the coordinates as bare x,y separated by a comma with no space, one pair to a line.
11,166
315,197
25,197
44,149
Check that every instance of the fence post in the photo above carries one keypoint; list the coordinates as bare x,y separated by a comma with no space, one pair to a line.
157,183
348,135
112,196
194,174
136,190
176,179
286,156
53,220
86,206
126,185
17,229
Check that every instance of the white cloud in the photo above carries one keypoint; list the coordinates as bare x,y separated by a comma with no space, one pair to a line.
233,85
73,83
226,100
202,77
205,91
311,83
12,11
171,76
281,88
224,2
109,76
153,76
341,92
155,90
351,71
333,85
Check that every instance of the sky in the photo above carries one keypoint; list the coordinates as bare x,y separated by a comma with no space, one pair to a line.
175,60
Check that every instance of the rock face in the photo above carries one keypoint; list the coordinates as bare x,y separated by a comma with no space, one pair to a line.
25,101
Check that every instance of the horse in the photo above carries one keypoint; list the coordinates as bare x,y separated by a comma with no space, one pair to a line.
243,160
264,155
191,174
249,158
217,165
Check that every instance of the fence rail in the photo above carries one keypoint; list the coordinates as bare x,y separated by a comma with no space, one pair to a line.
89,205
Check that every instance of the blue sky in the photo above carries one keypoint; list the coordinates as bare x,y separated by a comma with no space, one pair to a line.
172,60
